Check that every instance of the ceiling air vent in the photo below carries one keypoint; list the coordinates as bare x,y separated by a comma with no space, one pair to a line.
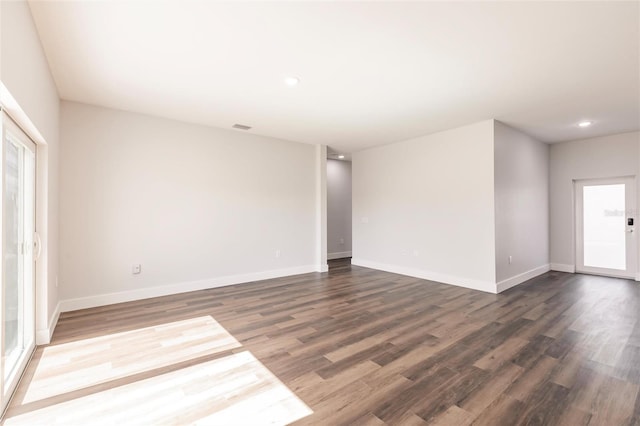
241,127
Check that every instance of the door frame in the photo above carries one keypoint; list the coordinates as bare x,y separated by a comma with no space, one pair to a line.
631,231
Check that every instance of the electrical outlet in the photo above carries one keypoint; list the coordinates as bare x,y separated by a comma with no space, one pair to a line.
136,269
510,259
341,240
277,253
416,253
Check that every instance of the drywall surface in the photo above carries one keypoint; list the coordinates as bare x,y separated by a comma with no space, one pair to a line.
25,73
602,157
321,208
425,207
521,203
338,208
195,206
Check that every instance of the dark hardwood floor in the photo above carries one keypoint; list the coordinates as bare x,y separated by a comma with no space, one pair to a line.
360,346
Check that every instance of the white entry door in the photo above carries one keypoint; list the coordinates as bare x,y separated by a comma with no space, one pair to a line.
606,242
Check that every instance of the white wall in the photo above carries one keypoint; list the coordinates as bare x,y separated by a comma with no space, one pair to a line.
425,207
321,208
24,71
521,206
197,207
603,157
338,208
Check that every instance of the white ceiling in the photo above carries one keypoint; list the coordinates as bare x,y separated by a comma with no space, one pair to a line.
371,73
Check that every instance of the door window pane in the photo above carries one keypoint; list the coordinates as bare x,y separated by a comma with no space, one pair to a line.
604,226
13,302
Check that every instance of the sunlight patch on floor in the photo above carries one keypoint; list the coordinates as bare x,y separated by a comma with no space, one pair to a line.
76,365
235,389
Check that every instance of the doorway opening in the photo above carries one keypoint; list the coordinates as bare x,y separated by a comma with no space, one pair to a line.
339,232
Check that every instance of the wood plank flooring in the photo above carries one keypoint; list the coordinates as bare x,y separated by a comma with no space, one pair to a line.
352,346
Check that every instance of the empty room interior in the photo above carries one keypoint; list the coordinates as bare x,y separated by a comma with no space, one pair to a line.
320,213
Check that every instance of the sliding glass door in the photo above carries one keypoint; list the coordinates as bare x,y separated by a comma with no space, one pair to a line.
17,299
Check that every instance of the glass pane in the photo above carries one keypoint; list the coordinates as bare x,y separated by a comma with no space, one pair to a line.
13,302
604,226
28,222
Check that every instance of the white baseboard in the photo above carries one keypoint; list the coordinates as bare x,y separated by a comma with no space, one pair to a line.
338,255
43,336
520,278
185,287
486,286
322,268
561,267
638,276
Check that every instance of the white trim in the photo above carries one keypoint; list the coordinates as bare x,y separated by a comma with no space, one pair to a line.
322,268
563,267
339,255
9,104
638,276
486,286
520,278
165,290
43,337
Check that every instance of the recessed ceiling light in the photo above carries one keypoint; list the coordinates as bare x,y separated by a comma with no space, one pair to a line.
291,81
585,123
341,156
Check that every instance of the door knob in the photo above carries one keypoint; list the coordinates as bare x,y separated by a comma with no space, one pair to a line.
37,245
